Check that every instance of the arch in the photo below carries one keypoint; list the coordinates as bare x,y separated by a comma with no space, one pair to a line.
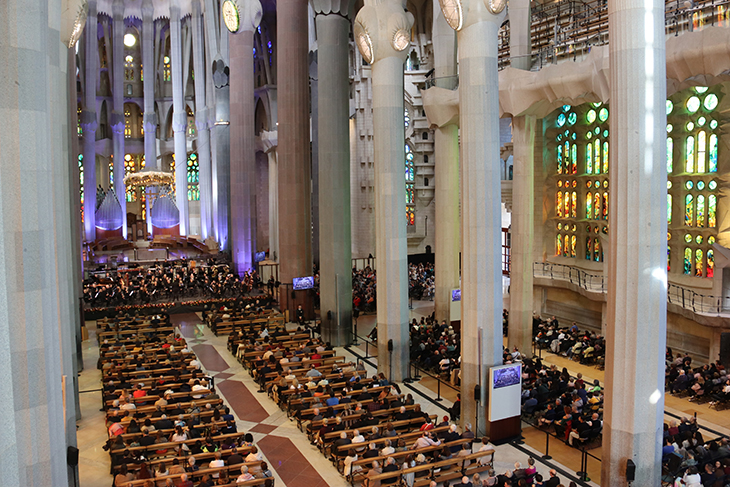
261,119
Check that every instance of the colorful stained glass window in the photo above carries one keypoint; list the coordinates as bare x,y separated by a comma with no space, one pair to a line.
560,120
573,204
670,107
560,158
712,211
605,157
597,157
574,159
711,102
701,145
410,217
193,177
566,159
603,114
589,158
689,210
687,261
130,166
559,205
710,263
596,249
591,116
693,104
573,241
596,205
566,249
589,247
572,118
605,205
670,155
690,155
699,264
558,244
669,209
713,153
589,205
566,202
700,220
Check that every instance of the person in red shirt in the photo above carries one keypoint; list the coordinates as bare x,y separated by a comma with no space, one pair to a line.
139,392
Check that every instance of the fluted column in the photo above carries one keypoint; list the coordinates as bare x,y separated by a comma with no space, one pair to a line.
179,118
520,48
243,149
36,334
89,123
201,125
118,102
446,170
335,247
523,216
295,242
269,142
148,87
481,282
637,260
382,32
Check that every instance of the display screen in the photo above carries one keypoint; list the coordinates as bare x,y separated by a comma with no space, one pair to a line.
259,256
301,283
456,294
507,376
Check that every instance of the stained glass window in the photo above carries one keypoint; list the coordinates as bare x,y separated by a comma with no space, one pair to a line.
712,211
589,205
669,209
597,206
699,263
589,158
130,166
700,220
558,244
690,155
410,177
710,263
193,177
167,73
689,210
701,144
605,157
573,241
597,157
573,204
713,153
687,261
605,205
566,250
670,155
596,250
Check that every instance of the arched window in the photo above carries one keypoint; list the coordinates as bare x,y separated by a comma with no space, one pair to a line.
193,177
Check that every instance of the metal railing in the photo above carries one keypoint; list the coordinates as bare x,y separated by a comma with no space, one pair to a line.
445,82
597,283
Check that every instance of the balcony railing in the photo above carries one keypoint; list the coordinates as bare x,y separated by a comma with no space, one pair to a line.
678,295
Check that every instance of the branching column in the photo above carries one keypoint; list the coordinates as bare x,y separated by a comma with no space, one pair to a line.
243,149
179,119
201,125
150,117
118,113
382,32
88,122
523,215
637,260
481,281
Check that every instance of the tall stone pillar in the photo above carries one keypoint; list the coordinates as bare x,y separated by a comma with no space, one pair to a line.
243,148
385,48
295,241
89,123
36,334
335,275
637,256
201,125
523,216
118,112
520,48
446,153
481,281
148,86
179,118
269,142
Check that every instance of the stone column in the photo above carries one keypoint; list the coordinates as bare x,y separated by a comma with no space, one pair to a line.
89,123
201,126
243,149
117,123
148,87
446,153
637,256
269,142
520,48
295,241
481,281
36,335
179,118
386,49
335,275
523,215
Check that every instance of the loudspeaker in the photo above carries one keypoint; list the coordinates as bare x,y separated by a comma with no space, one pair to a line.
329,315
725,349
390,345
477,393
630,470
72,456
356,313
293,295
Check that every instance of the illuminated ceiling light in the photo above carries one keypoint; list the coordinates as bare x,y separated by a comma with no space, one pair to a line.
130,40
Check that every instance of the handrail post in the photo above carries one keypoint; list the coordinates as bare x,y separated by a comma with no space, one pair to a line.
438,388
547,456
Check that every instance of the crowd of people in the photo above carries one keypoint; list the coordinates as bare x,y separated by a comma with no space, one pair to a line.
706,383
694,461
584,346
421,285
168,282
